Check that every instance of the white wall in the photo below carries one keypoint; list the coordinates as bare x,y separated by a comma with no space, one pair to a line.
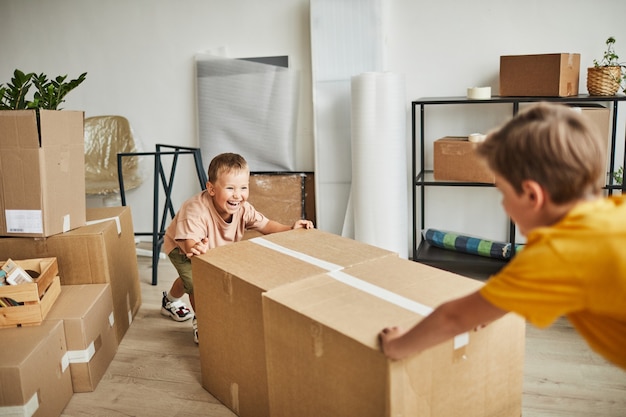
139,54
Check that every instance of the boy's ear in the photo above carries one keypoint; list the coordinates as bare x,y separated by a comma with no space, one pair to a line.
535,193
210,188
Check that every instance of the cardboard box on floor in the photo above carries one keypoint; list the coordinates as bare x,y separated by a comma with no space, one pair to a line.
34,374
98,253
324,359
455,159
42,177
547,75
228,284
87,314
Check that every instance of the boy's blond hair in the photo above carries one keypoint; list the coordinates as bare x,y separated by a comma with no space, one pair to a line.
226,162
552,144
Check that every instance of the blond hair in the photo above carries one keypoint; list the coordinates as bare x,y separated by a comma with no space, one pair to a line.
553,145
226,162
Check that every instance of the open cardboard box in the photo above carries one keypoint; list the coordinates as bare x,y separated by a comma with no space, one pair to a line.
42,172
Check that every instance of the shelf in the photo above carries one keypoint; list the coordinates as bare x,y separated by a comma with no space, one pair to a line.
499,99
474,266
465,263
427,178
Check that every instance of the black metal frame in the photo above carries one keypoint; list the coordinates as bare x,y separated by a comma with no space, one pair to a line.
160,179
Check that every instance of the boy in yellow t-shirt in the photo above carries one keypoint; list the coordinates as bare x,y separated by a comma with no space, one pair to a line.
215,217
549,164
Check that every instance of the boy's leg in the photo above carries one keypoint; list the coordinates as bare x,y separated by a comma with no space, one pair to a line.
171,304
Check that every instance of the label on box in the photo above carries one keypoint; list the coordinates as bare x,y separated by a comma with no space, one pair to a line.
24,221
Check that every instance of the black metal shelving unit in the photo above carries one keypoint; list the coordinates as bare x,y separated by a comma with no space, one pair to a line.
471,264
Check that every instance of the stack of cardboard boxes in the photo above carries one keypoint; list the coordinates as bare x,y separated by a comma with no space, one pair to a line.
288,326
91,253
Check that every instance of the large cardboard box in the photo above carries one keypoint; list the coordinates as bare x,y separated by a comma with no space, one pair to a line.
33,299
283,196
324,359
34,374
42,177
228,284
102,252
547,75
455,159
87,314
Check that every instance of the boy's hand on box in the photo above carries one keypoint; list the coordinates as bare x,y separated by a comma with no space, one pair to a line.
386,337
199,248
303,224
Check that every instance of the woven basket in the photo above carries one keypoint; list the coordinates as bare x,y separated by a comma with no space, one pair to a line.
603,81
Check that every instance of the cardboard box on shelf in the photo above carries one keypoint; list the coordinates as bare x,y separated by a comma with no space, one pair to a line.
33,300
33,369
87,315
455,160
547,75
42,176
600,116
102,252
228,284
324,359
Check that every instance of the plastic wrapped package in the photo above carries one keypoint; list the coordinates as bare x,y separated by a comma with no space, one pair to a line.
105,137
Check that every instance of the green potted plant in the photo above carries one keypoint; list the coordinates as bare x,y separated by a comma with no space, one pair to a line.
606,76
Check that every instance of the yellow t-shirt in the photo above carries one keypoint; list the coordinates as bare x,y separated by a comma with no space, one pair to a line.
575,268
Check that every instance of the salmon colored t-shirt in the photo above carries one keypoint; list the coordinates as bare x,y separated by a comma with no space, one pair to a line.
575,268
198,218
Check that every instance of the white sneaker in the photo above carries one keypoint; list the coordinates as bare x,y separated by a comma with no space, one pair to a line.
194,324
177,310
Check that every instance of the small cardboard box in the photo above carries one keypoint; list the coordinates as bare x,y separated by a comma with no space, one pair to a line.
98,253
228,284
455,159
324,358
34,374
42,177
36,298
87,315
541,75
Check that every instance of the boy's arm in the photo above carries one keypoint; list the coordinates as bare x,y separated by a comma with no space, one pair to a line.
191,247
274,227
445,322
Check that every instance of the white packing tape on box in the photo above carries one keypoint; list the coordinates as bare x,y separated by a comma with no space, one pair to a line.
329,266
479,93
82,356
334,271
116,219
26,410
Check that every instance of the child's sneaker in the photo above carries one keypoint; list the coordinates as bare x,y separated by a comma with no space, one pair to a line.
194,323
177,310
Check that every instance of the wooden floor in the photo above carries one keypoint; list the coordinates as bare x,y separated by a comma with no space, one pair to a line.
156,372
